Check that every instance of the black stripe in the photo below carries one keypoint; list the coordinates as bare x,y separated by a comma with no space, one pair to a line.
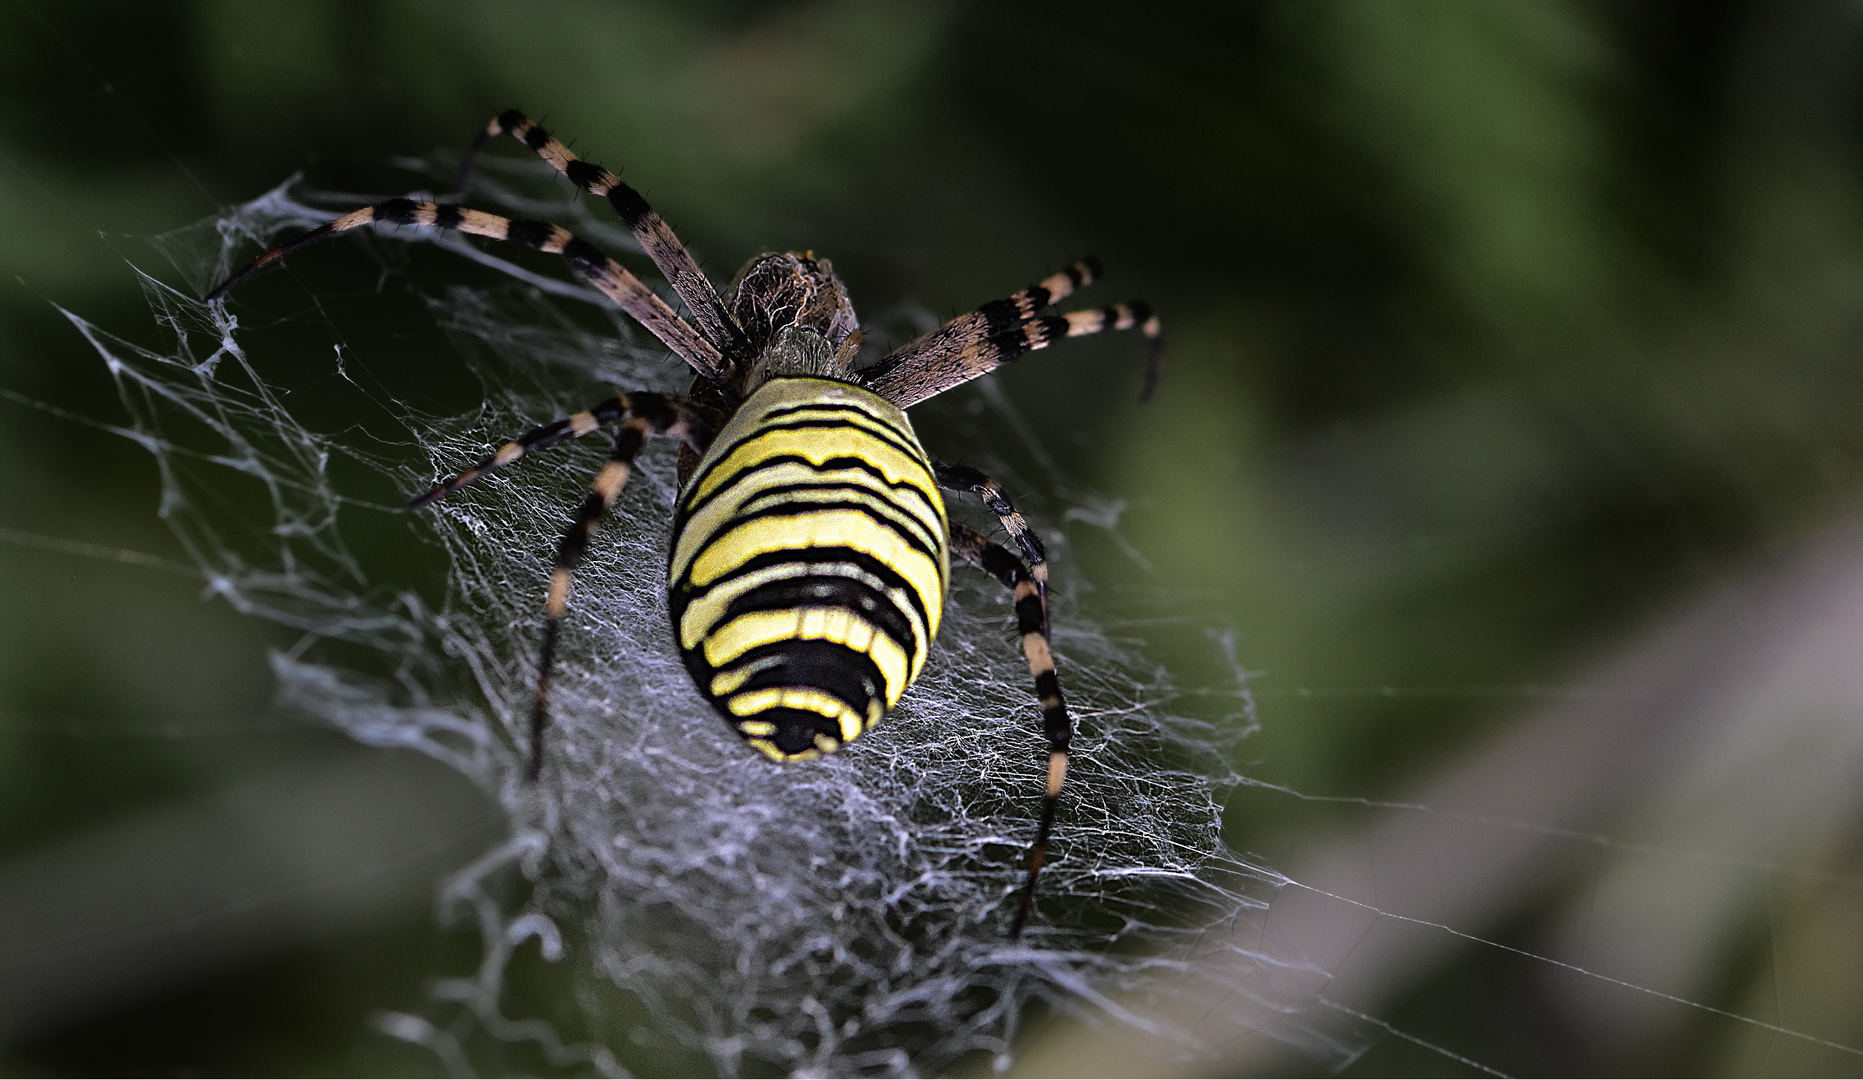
448,217
629,204
532,234
826,590
681,594
509,119
850,677
1055,724
1141,311
541,437
627,444
613,409
583,174
576,540
1093,268
892,432
536,138
1001,565
656,409
585,258
959,477
397,211
1028,614
930,533
824,406
796,728
1001,315
750,472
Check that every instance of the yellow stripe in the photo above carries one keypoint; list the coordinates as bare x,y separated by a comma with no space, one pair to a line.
803,698
824,528
816,446
726,681
767,748
753,483
747,632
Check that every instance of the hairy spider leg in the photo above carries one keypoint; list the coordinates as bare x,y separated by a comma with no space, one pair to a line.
964,478
1045,330
1031,624
665,415
987,321
608,276
655,235
968,346
602,493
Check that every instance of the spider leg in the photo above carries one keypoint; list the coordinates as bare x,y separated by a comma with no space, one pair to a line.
655,236
649,420
607,275
987,321
666,415
964,478
973,344
1031,623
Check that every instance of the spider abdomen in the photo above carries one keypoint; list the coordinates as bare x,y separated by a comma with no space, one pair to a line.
809,565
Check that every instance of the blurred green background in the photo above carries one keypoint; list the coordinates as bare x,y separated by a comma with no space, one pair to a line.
1507,341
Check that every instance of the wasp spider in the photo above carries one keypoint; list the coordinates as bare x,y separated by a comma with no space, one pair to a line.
808,568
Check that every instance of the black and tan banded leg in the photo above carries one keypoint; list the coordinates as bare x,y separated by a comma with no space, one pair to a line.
649,419
924,358
663,415
974,344
964,478
656,237
1031,623
608,276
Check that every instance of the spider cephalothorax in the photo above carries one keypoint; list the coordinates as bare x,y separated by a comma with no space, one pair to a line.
775,291
809,562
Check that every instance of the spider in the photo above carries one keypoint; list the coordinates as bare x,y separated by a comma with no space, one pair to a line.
810,552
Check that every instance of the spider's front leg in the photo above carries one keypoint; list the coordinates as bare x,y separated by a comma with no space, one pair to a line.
1032,624
655,235
640,415
1002,330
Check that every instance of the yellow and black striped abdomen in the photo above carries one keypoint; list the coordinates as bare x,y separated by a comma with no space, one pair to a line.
809,566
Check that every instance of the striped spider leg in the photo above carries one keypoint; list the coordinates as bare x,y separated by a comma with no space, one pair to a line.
641,415
1032,624
964,478
656,237
955,353
608,276
1002,330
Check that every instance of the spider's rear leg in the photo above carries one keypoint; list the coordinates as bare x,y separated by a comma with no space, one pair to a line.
655,236
666,415
964,478
1031,623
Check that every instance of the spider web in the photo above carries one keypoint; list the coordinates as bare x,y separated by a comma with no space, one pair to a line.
845,916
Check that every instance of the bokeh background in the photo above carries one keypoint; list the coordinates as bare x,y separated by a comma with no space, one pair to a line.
1513,423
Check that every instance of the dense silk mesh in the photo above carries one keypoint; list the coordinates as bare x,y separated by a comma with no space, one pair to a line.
841,916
